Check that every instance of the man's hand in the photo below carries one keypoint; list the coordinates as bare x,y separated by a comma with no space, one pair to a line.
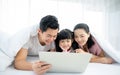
40,67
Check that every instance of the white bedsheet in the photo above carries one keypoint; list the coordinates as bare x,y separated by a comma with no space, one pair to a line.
92,69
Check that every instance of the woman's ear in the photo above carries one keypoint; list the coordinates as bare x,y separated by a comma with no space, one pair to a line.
88,34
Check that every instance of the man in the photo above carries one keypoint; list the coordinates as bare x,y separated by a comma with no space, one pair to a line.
43,41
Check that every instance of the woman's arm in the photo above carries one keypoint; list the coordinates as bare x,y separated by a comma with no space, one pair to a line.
101,59
97,59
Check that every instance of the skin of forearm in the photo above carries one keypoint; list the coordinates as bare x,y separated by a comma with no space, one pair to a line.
103,59
98,59
23,65
95,59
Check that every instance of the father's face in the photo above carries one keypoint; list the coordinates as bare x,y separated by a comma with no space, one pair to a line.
48,36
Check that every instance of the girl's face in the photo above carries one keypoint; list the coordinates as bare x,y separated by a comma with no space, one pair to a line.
65,44
81,37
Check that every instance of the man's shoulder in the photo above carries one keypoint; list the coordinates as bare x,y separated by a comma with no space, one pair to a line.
33,38
34,30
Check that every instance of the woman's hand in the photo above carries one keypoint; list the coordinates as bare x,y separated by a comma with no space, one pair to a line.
40,67
106,60
79,51
103,60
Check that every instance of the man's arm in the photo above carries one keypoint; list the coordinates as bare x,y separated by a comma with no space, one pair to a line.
21,63
20,60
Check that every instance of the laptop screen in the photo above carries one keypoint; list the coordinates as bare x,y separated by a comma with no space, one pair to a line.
66,62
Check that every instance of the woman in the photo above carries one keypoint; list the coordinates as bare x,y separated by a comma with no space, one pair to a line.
85,42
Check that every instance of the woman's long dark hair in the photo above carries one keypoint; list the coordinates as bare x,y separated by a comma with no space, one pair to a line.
84,26
63,34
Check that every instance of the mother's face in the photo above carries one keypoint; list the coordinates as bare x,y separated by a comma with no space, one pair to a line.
81,36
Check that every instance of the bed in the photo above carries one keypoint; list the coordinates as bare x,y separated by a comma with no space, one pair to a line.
92,69
14,43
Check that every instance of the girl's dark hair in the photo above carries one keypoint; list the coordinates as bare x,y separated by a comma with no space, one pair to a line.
90,41
63,34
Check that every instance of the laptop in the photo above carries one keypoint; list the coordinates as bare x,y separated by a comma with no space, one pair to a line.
66,62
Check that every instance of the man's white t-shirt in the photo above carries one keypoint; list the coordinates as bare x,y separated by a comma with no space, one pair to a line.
34,47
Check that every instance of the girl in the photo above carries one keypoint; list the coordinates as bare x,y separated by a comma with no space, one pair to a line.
64,41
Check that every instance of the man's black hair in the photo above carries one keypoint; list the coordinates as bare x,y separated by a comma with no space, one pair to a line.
49,21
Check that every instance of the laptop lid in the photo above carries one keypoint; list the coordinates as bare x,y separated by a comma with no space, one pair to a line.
66,62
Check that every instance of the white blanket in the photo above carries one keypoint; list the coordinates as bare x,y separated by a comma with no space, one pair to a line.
5,60
108,48
14,43
9,46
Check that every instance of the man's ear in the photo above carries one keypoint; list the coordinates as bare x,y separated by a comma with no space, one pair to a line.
39,31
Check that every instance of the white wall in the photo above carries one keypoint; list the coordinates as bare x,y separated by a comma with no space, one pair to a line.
102,18
14,15
18,14
114,29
